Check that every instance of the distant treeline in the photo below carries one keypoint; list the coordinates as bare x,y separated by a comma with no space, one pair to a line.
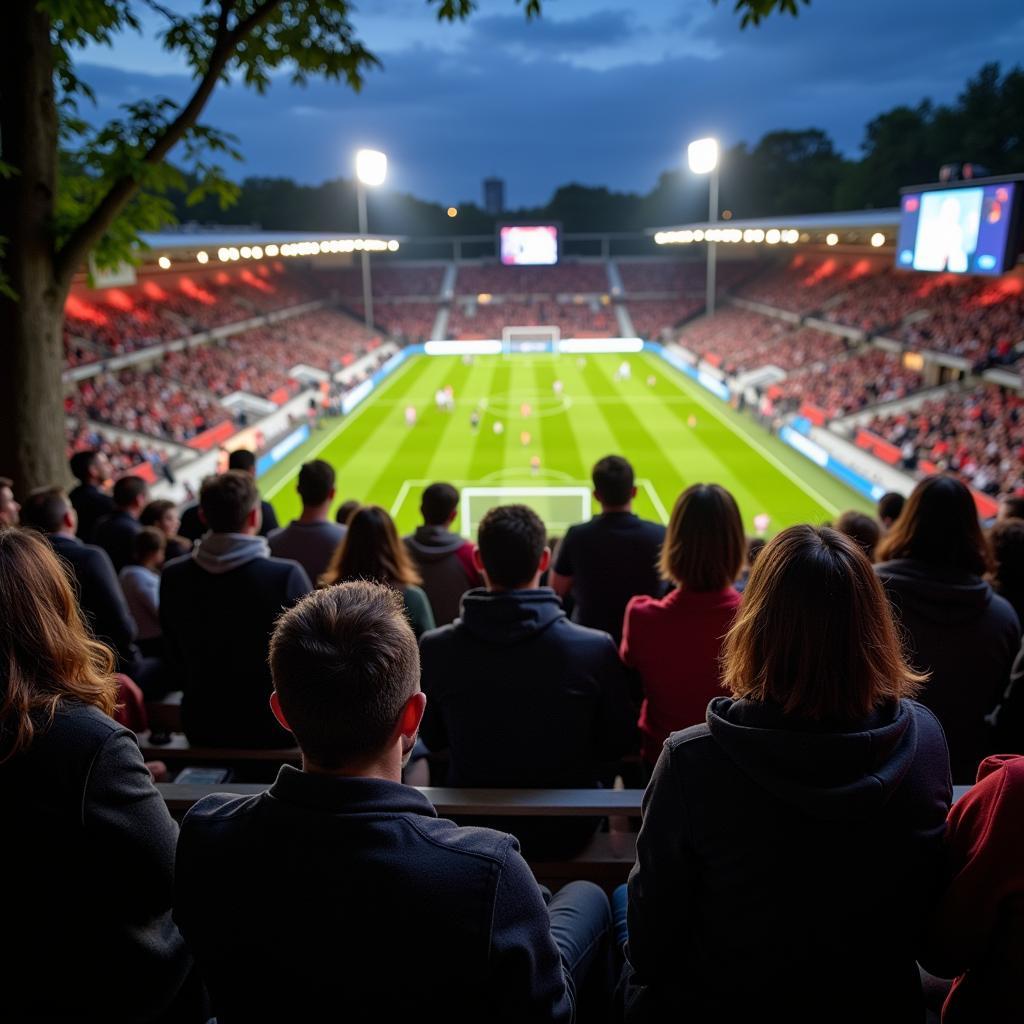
785,172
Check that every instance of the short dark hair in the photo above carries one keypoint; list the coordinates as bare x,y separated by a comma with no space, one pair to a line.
438,503
1013,504
345,510
890,506
613,480
862,529
155,511
316,481
755,545
81,462
45,508
704,546
511,539
148,541
940,527
128,490
344,662
1007,540
243,459
227,500
815,633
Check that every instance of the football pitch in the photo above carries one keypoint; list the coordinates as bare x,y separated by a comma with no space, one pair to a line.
673,431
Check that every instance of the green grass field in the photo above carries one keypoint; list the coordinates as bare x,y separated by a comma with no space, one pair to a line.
380,460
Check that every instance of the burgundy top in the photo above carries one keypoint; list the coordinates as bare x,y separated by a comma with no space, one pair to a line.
674,643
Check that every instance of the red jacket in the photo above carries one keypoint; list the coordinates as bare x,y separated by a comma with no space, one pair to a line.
978,929
674,643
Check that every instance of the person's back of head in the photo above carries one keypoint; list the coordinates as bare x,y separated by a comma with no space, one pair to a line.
614,483
48,510
755,545
704,544
815,633
890,506
511,547
1012,507
243,460
228,501
149,546
345,510
939,527
439,504
862,529
130,494
371,550
315,484
1007,540
46,653
88,466
346,668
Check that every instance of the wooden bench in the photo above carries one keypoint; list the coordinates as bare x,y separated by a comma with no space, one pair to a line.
178,753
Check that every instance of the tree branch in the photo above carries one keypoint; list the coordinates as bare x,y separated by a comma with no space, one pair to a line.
84,238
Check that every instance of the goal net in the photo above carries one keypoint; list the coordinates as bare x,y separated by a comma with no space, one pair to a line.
530,339
559,507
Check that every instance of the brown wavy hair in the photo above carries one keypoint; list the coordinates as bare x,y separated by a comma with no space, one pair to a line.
46,653
371,550
815,634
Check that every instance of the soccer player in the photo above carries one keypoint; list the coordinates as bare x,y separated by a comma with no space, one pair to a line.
557,387
535,465
410,415
524,438
474,419
625,371
525,410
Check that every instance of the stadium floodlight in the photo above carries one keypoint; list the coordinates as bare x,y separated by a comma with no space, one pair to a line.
702,156
371,170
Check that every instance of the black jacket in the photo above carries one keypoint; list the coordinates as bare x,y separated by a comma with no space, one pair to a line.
101,598
216,630
966,636
115,533
193,527
349,898
444,560
785,871
88,858
522,697
91,505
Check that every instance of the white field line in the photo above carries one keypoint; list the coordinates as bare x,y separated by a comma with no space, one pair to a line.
756,445
652,493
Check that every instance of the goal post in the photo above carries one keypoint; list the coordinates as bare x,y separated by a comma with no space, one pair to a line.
544,338
559,507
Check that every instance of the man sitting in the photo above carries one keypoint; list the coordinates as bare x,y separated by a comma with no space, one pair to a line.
312,538
444,559
312,878
218,606
612,558
116,531
521,696
91,502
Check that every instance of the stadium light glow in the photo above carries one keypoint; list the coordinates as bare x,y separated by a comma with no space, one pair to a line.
877,239
272,250
246,252
453,211
702,155
773,237
164,263
202,256
371,167
257,252
831,238
393,245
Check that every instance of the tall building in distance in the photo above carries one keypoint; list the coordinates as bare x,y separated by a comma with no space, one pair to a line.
494,196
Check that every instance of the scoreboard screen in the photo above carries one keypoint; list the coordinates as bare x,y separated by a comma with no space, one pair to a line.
528,245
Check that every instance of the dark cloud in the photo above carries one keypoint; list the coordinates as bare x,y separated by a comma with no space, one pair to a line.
567,36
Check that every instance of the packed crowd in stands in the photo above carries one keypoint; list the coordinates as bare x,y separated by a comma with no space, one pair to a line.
388,281
408,321
676,277
124,455
653,317
977,433
847,385
574,319
369,654
562,278
804,283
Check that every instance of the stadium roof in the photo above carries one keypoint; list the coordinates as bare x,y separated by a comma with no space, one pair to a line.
851,220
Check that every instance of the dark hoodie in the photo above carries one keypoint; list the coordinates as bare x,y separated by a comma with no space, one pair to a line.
445,561
964,634
522,697
784,870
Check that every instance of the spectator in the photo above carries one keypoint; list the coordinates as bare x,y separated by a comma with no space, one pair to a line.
345,510
1007,540
243,460
519,695
88,840
311,539
9,508
960,631
754,546
363,849
701,556
862,530
800,828
163,514
890,506
90,501
445,559
372,550
977,931
116,531
140,583
605,562
1011,507
217,610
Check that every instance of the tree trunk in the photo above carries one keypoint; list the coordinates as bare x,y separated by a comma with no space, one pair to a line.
32,433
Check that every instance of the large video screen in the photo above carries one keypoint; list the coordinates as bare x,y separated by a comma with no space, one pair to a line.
970,229
528,245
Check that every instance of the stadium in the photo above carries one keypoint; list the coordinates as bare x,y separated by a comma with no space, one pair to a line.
609,607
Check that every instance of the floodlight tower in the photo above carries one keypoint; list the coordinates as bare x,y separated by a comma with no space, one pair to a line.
702,155
371,170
